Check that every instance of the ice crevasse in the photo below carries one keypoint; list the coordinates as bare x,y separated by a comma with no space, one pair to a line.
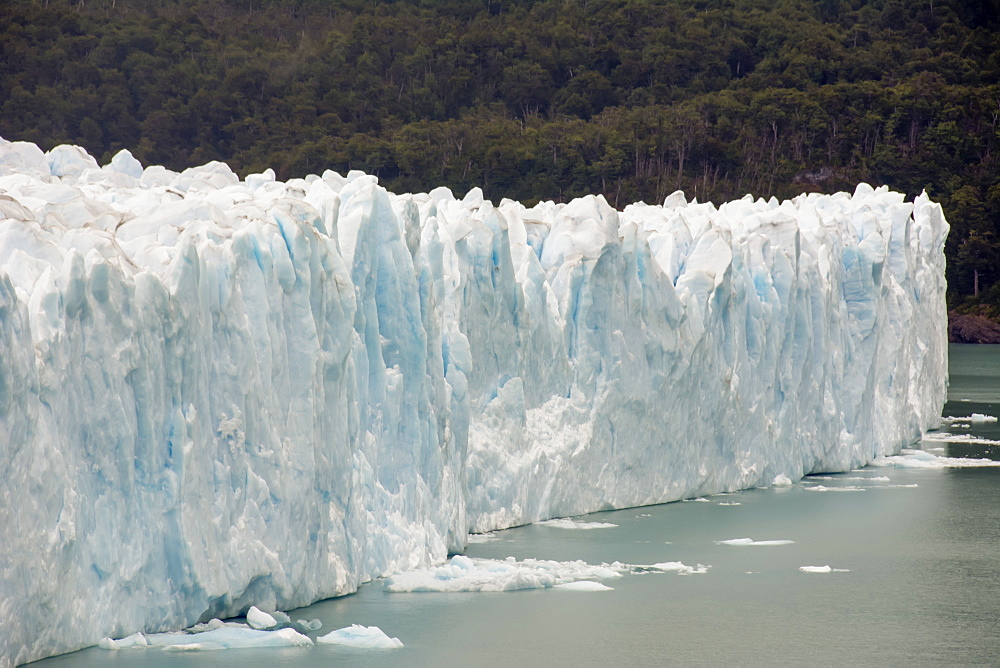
217,393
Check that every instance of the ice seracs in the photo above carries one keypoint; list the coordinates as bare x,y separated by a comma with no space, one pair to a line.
219,392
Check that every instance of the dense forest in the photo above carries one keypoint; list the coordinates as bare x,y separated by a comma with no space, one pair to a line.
536,99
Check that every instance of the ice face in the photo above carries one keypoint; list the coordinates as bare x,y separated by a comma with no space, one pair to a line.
218,393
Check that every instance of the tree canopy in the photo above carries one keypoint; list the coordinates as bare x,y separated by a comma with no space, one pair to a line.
536,99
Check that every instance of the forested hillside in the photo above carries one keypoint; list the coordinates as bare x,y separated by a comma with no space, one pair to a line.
531,100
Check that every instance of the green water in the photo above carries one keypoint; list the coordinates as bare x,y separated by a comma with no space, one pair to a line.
921,583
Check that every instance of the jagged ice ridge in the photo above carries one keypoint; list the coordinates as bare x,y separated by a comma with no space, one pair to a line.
218,393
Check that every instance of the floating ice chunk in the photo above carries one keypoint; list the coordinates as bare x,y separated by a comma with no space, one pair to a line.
566,523
822,569
259,619
227,638
213,624
945,437
464,574
584,585
919,459
873,478
846,488
364,637
487,537
676,567
730,503
134,641
310,625
781,480
700,499
975,418
749,541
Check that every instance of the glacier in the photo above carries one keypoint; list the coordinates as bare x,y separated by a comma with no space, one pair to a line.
218,393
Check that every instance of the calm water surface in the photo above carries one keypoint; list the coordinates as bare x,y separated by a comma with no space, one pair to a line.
921,583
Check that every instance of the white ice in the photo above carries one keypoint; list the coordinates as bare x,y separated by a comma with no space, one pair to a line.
364,637
258,619
741,542
822,569
918,459
584,585
945,437
975,418
781,480
227,637
676,567
566,523
465,574
219,392
482,538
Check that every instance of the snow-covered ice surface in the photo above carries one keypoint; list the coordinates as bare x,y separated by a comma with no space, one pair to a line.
218,393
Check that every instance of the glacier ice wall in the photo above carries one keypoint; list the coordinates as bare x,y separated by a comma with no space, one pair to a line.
217,393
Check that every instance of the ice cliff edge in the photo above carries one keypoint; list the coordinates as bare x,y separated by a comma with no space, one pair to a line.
217,393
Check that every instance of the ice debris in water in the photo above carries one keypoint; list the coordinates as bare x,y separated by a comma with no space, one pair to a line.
258,619
488,537
565,523
945,437
134,641
751,542
676,567
216,639
365,637
918,459
584,585
822,569
781,480
218,389
310,625
465,574
975,418
215,623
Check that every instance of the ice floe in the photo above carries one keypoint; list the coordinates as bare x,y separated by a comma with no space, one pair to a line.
566,523
740,542
364,637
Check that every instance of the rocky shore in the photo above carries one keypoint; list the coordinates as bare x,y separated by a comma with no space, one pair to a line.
967,328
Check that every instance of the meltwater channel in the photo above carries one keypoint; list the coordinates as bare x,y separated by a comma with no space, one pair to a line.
914,576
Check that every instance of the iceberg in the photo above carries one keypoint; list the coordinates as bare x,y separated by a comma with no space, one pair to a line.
364,637
219,392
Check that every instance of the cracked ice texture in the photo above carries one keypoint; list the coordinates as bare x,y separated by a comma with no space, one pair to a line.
216,393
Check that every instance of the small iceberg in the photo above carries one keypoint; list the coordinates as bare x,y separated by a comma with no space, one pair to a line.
584,585
364,637
565,523
822,569
751,542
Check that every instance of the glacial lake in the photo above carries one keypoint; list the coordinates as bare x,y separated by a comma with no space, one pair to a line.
917,579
